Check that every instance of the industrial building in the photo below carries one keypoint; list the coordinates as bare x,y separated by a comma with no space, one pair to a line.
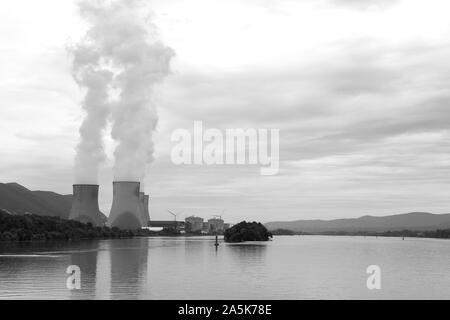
167,224
194,224
215,225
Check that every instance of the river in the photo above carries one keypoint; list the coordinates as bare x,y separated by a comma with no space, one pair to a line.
289,267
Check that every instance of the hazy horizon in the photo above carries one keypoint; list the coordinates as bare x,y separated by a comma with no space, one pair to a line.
358,89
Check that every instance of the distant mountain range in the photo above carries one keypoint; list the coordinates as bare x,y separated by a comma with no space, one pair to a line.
417,221
17,199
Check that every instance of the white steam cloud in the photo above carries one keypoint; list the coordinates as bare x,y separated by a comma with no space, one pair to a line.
119,62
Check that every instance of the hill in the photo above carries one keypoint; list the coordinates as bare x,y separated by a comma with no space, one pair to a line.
17,199
418,221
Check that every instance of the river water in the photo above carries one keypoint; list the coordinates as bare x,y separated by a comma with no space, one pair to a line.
289,267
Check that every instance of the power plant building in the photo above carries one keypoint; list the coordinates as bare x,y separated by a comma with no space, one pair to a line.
194,224
215,225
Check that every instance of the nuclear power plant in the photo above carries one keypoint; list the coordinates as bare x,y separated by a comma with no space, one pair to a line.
129,206
130,210
85,205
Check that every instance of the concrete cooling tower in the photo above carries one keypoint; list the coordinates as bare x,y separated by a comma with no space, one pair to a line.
142,208
125,210
147,211
85,205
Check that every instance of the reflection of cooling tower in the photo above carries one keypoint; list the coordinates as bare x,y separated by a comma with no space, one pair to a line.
125,213
85,204
146,204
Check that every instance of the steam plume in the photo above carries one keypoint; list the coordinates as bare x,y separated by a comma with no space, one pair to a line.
89,74
118,52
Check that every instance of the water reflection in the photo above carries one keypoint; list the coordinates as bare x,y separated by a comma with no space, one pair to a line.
192,268
112,269
253,254
103,272
109,269
128,267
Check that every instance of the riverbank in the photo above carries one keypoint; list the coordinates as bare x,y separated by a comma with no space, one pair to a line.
430,234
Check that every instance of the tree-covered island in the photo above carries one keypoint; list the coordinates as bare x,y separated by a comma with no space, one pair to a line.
247,231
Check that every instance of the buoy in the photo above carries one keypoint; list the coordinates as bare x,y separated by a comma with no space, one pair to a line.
217,241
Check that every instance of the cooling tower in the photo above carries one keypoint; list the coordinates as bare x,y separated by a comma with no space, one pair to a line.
125,212
142,209
147,211
85,205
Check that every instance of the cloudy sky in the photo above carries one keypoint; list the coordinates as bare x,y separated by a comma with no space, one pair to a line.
360,90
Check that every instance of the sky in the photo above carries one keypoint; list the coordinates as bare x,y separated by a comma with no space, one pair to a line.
359,89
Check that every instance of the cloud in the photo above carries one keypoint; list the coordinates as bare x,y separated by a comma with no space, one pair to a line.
366,114
361,101
365,4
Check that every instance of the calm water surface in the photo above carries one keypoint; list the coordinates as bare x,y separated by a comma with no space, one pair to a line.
306,267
